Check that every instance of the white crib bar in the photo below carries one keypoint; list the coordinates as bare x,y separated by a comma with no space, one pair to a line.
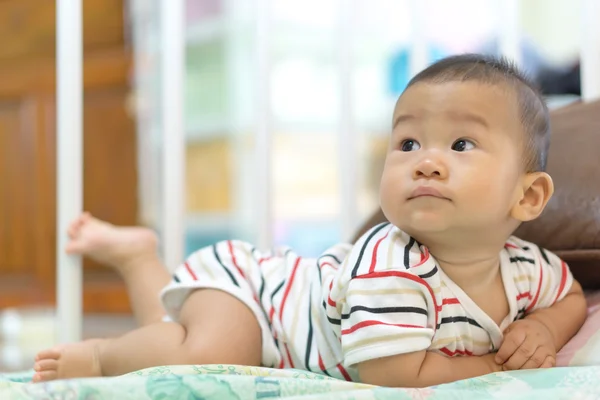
509,41
69,110
172,28
347,134
264,127
590,50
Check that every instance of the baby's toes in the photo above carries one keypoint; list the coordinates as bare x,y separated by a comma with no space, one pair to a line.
46,365
52,354
44,376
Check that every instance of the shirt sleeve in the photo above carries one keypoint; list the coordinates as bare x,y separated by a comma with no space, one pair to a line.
386,313
552,280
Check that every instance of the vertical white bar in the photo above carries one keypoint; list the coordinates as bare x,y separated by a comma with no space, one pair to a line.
347,135
172,26
69,110
509,31
419,49
264,126
590,50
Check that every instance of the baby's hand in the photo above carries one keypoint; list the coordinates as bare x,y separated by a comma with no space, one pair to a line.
527,344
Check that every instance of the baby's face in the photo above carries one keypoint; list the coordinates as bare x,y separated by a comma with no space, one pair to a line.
455,159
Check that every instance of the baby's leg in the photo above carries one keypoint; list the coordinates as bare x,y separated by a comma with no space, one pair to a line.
132,252
216,328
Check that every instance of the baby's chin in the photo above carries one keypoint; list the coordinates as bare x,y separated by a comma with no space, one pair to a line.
423,223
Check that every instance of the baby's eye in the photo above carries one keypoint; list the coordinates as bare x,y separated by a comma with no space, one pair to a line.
463,145
410,145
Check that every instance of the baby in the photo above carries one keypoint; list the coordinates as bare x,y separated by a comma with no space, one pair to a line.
442,292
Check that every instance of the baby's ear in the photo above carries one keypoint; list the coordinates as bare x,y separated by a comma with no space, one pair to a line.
537,188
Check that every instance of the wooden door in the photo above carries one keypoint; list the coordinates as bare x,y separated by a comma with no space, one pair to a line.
28,148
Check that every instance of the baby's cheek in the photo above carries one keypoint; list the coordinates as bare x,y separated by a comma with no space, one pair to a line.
390,196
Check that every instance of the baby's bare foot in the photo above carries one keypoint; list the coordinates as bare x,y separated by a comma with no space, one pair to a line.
115,246
69,361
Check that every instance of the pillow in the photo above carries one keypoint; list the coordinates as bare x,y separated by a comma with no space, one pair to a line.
570,224
583,348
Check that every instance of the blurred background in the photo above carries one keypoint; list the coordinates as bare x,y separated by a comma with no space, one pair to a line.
309,55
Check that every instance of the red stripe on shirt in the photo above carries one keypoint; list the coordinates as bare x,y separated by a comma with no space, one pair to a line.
189,270
328,264
234,260
539,289
374,254
288,355
371,322
450,353
321,365
524,295
344,373
424,258
271,313
447,301
409,276
288,288
511,246
563,280
263,259
329,301
452,300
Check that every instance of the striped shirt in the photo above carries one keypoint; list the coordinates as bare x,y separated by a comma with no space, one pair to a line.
384,296
391,297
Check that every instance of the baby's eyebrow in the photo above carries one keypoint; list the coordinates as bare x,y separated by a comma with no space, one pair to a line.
402,118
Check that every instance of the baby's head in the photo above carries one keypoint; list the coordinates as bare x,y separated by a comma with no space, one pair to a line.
467,152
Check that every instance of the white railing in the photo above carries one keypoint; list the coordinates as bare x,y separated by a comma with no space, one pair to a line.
172,51
264,126
69,110
69,117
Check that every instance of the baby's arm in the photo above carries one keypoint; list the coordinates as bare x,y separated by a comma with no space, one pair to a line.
424,368
564,318
554,314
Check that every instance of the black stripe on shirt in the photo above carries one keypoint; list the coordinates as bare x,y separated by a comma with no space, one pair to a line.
261,291
385,310
272,296
319,272
520,314
309,336
216,253
334,321
277,289
407,248
364,246
451,320
544,255
176,279
524,259
332,256
430,273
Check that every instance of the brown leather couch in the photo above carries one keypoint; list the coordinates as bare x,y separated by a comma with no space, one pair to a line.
570,225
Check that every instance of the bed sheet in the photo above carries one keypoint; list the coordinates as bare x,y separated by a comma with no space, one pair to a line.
220,382
578,377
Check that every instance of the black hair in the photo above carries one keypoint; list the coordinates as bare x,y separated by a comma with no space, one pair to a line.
499,71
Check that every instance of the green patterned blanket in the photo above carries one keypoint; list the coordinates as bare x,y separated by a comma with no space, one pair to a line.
221,382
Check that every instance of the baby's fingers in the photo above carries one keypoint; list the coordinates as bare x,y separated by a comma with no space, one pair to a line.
540,359
523,353
512,341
